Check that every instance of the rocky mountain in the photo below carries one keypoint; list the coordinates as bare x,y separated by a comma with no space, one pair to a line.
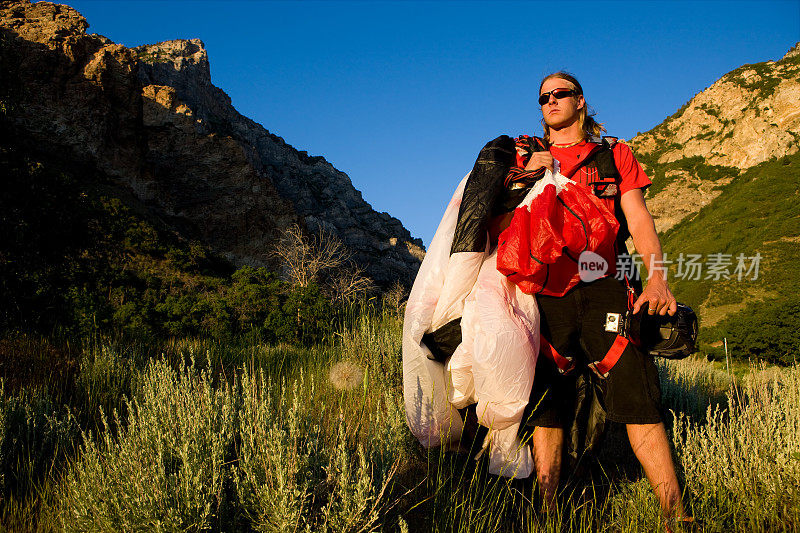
150,121
726,191
747,117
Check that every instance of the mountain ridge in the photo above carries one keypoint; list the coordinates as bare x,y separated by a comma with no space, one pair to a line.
726,185
150,118
748,116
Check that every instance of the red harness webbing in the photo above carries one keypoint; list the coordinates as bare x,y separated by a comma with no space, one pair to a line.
602,367
564,364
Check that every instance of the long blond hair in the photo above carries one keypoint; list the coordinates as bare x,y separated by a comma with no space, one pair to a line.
588,125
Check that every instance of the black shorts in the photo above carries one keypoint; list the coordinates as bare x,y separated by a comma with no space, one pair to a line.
574,324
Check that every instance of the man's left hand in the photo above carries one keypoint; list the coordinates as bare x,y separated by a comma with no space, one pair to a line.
658,297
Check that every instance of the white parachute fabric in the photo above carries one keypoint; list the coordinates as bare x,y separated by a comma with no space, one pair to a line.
432,419
494,364
504,338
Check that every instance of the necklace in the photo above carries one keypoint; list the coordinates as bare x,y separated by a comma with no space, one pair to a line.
567,145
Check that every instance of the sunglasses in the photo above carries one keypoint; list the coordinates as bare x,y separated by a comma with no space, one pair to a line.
558,93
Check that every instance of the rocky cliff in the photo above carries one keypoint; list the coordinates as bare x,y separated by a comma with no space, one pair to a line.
725,171
747,117
150,120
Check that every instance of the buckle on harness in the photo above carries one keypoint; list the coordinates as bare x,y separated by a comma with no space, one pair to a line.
565,364
616,323
603,367
620,325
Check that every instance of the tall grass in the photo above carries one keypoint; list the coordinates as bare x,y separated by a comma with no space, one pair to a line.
253,437
736,444
160,470
229,449
690,386
742,464
301,469
36,437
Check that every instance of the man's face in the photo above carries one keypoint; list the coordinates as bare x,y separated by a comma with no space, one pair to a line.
559,113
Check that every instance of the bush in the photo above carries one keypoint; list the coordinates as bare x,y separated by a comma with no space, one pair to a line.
193,455
35,437
163,469
279,457
769,330
255,298
298,473
307,316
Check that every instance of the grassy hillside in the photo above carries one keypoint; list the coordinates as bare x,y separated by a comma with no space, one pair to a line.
748,116
758,212
235,436
695,166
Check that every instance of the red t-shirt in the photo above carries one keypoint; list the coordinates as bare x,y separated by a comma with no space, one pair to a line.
632,176
631,172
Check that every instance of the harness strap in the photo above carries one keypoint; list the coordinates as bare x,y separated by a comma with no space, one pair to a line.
564,364
594,149
631,335
631,293
602,367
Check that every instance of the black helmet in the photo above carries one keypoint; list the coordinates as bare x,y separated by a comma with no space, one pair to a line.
671,337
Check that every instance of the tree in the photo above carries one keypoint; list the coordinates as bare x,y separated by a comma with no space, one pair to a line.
348,284
394,299
304,258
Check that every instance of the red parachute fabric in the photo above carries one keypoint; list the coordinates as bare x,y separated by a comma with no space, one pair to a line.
539,250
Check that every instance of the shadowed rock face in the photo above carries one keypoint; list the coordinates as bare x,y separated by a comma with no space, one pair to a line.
150,120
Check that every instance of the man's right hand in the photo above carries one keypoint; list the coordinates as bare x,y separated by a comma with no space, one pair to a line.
539,160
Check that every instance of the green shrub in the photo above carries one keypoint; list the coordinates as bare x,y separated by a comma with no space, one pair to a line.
35,438
279,457
298,474
711,109
769,330
142,237
193,454
163,468
255,298
375,342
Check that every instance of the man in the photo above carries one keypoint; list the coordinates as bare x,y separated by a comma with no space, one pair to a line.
574,324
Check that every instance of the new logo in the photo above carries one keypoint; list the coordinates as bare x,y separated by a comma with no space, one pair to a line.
591,266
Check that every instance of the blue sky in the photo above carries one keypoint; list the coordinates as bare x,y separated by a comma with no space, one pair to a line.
402,95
